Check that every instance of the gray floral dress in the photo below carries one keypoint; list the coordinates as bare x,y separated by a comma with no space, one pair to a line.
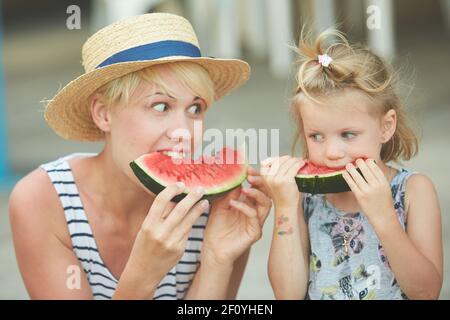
347,261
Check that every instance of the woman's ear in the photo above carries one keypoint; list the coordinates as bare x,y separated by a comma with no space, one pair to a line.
100,113
388,125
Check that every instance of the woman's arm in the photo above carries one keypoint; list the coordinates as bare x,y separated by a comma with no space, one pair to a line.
288,259
218,281
420,246
49,268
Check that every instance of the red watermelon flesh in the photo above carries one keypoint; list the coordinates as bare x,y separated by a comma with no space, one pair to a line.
217,175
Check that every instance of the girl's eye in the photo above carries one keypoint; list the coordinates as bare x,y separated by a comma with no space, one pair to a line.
348,135
160,107
195,109
316,137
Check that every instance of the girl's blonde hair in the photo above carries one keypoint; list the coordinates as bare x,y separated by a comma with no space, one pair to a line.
352,67
191,75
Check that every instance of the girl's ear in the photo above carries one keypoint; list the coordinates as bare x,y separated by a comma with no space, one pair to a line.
100,113
388,125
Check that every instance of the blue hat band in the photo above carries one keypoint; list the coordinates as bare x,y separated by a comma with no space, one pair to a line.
154,50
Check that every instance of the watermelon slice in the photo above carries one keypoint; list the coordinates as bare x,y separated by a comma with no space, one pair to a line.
217,175
314,179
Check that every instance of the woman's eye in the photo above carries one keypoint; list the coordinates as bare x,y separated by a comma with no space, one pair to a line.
316,137
195,109
160,107
348,135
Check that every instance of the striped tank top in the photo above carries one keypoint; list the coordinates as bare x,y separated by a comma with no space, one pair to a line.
176,282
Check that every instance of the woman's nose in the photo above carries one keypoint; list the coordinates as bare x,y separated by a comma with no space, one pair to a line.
178,129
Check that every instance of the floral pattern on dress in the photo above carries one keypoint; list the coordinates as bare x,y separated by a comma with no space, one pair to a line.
347,235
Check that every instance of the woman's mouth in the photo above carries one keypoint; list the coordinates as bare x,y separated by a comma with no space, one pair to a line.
176,154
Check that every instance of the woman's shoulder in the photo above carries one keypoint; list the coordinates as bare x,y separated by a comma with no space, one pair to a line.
34,203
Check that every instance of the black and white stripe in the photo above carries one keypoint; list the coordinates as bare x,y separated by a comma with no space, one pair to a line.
103,283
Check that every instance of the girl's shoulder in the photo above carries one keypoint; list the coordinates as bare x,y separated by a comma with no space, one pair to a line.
420,188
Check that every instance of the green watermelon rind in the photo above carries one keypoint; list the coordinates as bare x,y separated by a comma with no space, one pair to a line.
156,185
332,182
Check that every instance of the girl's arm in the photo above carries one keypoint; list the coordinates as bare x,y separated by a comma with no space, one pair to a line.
288,258
415,256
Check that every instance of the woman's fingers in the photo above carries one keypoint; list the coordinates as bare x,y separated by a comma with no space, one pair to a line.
252,171
168,209
262,201
163,199
253,222
258,182
259,197
224,202
183,207
185,226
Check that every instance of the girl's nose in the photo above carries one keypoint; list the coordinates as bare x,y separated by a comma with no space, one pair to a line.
334,151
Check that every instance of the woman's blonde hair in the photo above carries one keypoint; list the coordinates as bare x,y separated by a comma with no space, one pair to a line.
191,75
352,67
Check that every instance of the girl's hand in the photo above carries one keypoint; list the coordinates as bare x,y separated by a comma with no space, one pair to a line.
235,223
371,189
279,179
162,239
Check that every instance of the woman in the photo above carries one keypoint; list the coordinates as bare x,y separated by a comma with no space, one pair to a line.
83,225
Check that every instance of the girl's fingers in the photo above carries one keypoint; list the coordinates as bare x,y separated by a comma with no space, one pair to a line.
183,207
163,199
286,166
355,189
293,170
271,166
376,170
356,176
366,172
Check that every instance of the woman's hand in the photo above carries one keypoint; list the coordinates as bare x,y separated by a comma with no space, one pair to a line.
162,239
371,189
279,180
234,224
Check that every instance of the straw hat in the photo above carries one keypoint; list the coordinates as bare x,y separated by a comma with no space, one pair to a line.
126,46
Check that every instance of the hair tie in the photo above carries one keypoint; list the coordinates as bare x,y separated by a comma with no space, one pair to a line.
324,60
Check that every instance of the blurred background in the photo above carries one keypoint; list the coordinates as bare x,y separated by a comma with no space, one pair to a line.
41,52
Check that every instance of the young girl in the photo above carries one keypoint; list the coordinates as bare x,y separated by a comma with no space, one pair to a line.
382,239
84,227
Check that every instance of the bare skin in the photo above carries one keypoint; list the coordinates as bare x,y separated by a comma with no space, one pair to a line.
130,225
337,133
